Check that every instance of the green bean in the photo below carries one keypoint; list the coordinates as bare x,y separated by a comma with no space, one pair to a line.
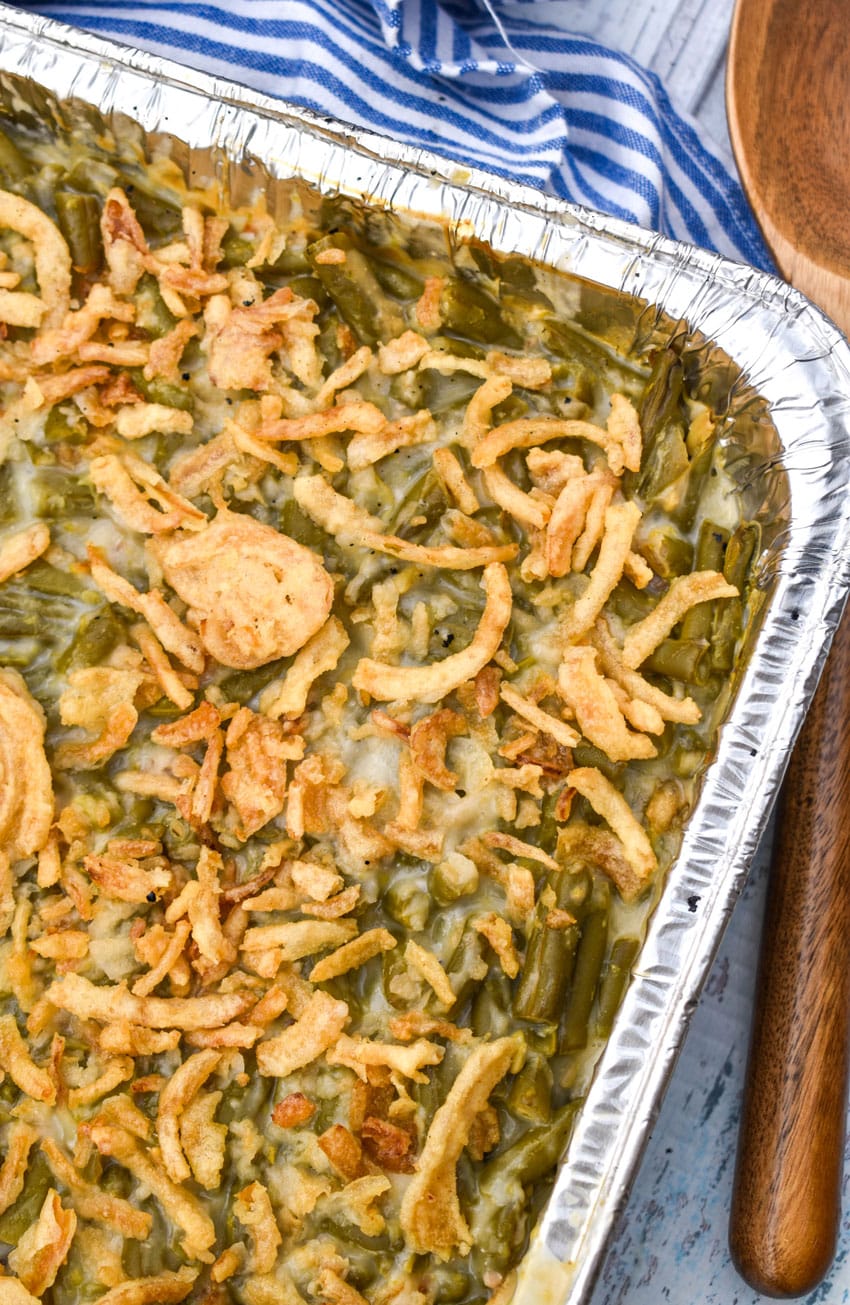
693,486
591,953
665,459
92,174
152,314
531,1157
25,1211
295,523
629,603
464,964
614,980
501,1213
12,162
426,498
681,659
407,902
94,640
530,1096
728,620
711,546
8,495
396,280
159,217
468,310
79,221
354,289
491,1008
446,1286
668,554
236,249
546,974
57,495
167,393
440,392
47,579
661,398
308,286
242,685
567,340
66,425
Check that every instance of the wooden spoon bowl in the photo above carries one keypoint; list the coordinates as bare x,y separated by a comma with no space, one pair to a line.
788,102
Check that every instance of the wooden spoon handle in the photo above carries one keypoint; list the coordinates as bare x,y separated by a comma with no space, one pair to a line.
787,1198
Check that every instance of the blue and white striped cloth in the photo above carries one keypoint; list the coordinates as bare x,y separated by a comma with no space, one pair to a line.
485,83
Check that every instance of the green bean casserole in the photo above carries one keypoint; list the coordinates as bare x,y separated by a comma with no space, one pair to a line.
366,621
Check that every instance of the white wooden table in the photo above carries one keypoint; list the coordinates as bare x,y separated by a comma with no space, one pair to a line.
671,1245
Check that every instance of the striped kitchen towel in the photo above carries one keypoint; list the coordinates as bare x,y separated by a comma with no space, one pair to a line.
484,82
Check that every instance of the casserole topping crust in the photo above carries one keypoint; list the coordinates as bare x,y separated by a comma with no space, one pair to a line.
365,623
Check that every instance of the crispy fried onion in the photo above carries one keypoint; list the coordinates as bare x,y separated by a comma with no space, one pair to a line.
576,522
253,1208
620,523
199,900
361,1054
684,710
620,440
168,628
143,500
98,699
17,551
166,1288
431,1217
317,1028
177,1203
612,806
355,1202
26,788
79,326
255,783
91,1202
500,936
124,243
240,340
52,266
592,699
17,1062
13,1292
428,684
429,739
254,593
107,1003
299,938
321,653
542,720
353,954
368,447
424,963
43,1248
351,525
20,1139
685,592
453,477
202,1139
402,353
177,1094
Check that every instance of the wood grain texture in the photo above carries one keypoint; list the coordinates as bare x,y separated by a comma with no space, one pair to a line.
788,102
787,1194
788,98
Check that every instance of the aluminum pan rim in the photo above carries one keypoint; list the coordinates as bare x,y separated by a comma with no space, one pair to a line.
791,354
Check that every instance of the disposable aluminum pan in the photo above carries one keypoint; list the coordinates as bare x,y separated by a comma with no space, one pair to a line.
785,371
